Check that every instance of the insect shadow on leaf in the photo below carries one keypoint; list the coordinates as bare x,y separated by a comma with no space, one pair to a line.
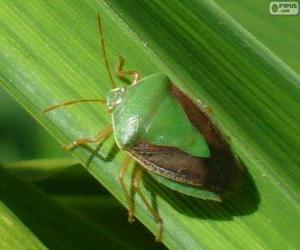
241,201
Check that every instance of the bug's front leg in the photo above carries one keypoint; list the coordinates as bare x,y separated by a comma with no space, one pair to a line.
136,182
101,136
123,74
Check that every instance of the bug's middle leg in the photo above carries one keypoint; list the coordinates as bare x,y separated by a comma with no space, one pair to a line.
101,136
137,180
123,74
129,196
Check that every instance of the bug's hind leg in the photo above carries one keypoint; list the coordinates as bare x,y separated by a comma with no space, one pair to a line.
101,136
129,196
123,74
136,182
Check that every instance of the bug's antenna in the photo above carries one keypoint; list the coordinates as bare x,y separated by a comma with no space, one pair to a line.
102,44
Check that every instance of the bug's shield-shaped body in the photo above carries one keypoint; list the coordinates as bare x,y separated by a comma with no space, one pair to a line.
148,112
170,136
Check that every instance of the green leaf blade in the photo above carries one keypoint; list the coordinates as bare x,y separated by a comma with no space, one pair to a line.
253,94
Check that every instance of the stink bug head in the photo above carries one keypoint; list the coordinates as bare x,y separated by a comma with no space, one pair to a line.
114,98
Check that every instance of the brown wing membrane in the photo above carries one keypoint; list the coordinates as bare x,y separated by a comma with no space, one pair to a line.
173,163
218,173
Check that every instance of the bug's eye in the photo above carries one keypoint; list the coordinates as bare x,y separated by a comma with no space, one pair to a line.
114,98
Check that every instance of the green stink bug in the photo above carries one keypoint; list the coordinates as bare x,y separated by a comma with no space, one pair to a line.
167,134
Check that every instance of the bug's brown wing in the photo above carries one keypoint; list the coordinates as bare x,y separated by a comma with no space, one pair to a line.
219,172
173,163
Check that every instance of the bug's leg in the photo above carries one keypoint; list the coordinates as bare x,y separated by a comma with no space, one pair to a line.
101,136
129,197
123,74
67,103
137,180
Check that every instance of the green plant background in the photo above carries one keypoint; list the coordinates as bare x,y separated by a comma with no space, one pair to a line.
50,53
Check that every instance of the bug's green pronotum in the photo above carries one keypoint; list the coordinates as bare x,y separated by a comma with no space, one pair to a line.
163,130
